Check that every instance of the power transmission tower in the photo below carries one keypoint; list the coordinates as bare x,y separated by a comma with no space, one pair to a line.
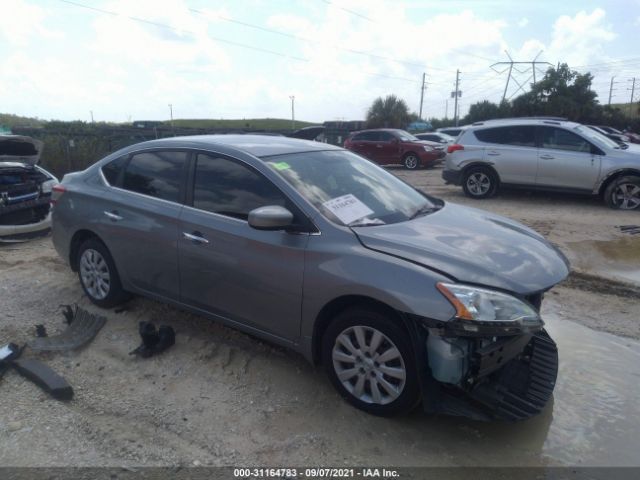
422,89
611,89
633,89
510,66
456,94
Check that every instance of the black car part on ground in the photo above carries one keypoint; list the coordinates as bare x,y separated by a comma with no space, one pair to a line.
83,327
36,371
510,380
154,341
22,199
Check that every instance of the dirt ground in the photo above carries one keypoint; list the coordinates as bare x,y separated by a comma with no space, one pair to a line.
219,397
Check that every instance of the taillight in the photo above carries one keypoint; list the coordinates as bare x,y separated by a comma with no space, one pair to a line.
454,147
56,192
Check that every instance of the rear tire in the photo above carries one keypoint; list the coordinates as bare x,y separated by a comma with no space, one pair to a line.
98,275
479,182
370,361
411,161
623,193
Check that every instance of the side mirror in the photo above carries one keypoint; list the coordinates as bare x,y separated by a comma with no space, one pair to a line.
271,217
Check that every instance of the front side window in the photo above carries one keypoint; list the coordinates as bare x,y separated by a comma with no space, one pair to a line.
386,137
330,180
405,136
227,187
157,174
560,139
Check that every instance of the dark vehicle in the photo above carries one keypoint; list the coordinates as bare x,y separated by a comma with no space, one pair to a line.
399,295
619,138
25,189
394,147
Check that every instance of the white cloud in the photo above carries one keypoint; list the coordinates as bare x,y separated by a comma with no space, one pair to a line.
21,21
523,22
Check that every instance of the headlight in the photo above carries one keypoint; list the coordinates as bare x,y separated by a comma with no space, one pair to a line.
428,148
483,305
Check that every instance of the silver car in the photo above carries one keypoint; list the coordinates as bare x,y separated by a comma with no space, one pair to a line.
543,154
399,295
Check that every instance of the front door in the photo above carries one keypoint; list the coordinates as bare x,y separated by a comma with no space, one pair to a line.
247,276
565,160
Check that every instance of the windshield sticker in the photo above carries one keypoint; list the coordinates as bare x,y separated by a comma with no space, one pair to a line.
281,165
347,208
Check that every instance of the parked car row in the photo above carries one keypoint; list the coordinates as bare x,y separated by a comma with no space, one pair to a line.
544,154
25,189
387,146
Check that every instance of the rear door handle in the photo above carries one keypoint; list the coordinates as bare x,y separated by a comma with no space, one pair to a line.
195,237
547,157
379,146
113,215
493,153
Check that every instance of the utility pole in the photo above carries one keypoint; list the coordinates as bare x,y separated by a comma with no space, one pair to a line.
611,89
446,108
633,89
293,115
455,94
91,113
422,89
171,117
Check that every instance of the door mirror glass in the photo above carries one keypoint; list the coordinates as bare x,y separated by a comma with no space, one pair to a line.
271,217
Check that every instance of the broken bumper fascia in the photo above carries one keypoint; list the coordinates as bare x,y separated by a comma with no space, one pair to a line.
510,380
19,233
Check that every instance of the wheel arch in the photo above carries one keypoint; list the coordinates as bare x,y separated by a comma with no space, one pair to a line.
77,240
471,165
623,172
340,304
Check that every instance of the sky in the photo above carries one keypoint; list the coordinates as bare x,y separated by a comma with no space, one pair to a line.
126,60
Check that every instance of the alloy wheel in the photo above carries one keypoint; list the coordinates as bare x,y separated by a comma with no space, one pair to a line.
411,162
478,183
369,365
95,274
626,196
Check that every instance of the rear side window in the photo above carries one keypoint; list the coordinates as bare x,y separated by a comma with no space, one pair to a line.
111,170
157,174
227,187
386,137
366,137
520,136
560,139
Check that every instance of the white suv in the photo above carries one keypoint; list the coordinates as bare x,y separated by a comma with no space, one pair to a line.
547,154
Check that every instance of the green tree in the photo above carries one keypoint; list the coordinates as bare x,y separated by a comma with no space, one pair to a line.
388,112
562,92
486,110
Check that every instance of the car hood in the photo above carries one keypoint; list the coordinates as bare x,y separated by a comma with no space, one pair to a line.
20,149
473,246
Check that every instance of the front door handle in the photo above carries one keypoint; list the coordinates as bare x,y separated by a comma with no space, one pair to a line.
379,146
113,216
493,153
195,237
547,157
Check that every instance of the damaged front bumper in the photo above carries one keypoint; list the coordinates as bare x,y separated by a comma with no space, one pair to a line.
503,377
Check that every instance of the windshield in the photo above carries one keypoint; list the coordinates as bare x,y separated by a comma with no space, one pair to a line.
349,190
596,137
406,136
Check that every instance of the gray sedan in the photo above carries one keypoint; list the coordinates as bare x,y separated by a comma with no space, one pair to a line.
399,295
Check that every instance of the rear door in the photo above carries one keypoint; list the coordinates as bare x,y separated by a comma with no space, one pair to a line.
512,150
139,218
386,149
250,277
566,160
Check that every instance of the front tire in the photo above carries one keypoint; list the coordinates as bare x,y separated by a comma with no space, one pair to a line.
479,182
411,161
369,360
98,275
623,193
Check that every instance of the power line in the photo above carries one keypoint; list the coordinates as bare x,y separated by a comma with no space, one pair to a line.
352,12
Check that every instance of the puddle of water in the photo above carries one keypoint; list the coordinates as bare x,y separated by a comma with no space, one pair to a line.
616,258
596,409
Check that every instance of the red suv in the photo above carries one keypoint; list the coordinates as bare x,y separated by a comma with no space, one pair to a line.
390,146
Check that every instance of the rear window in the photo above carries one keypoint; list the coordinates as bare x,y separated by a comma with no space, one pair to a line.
157,174
521,136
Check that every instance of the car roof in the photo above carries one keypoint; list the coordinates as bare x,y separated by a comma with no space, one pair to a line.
256,145
524,121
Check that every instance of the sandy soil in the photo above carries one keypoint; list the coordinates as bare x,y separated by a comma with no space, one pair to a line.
219,397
